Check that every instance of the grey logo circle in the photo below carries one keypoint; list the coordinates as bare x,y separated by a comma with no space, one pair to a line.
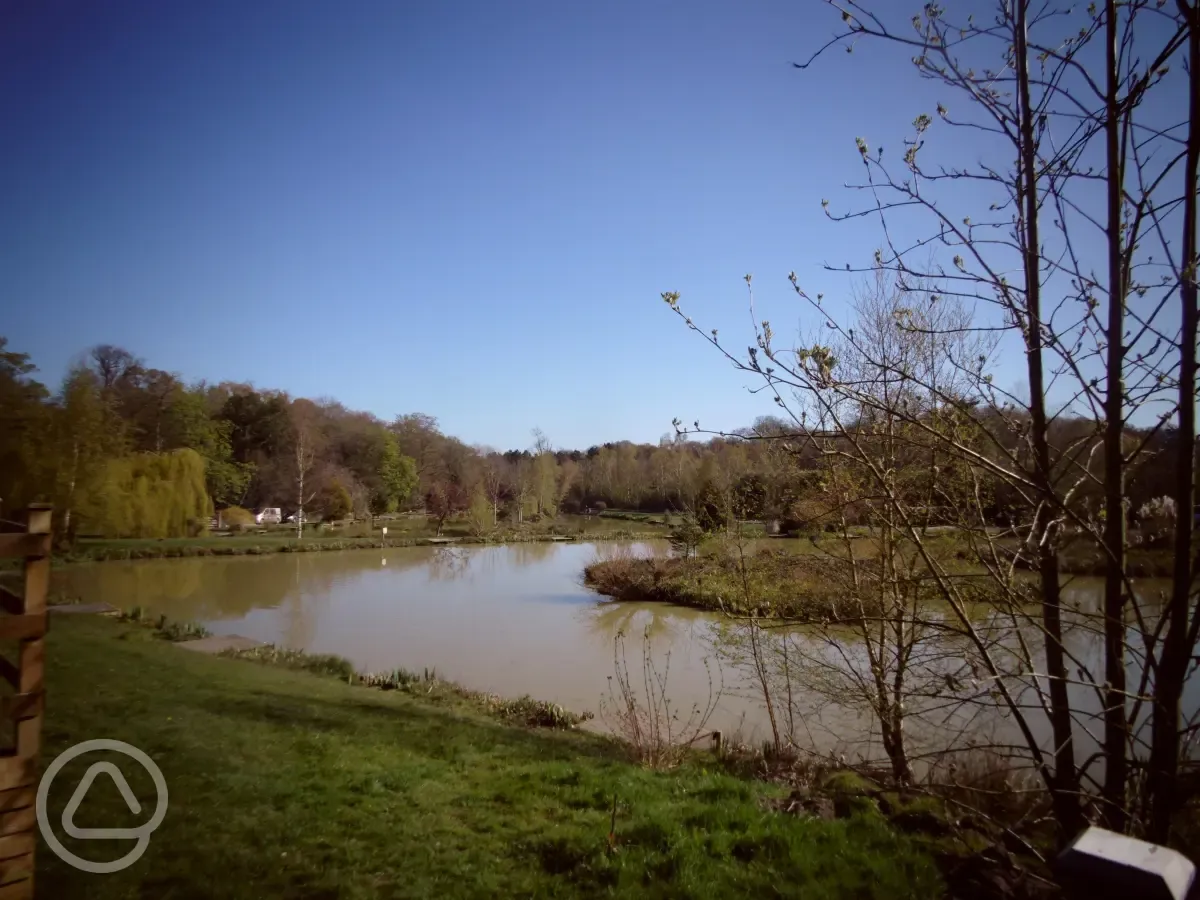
141,834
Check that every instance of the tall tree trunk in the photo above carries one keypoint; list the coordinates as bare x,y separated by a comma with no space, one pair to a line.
1172,669
1115,715
300,491
1066,780
66,526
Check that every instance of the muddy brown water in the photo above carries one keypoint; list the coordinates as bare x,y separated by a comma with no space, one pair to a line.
510,620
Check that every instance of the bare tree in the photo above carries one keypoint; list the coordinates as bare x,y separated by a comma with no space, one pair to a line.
306,438
493,479
111,364
1075,157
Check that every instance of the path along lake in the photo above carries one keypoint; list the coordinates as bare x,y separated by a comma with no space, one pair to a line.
511,619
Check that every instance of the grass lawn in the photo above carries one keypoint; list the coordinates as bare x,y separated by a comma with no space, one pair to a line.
286,784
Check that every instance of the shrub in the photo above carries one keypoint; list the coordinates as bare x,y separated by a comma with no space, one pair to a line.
686,537
235,517
167,630
320,663
336,502
642,713
535,713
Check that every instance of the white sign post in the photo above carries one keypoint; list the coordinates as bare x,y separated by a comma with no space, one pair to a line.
1099,865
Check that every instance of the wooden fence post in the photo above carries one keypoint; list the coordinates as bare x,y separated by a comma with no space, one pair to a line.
23,620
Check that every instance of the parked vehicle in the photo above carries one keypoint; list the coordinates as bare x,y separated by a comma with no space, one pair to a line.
270,515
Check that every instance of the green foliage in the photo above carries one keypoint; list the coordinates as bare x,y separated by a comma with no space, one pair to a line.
88,434
191,425
259,424
750,496
686,537
164,628
336,502
769,583
535,713
397,476
712,509
480,514
316,663
148,495
58,448
24,421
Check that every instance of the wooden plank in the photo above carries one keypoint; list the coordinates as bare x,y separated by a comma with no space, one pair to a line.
19,868
16,845
21,706
16,771
29,625
17,890
20,628
13,604
29,736
31,665
37,545
18,820
17,798
10,672
37,584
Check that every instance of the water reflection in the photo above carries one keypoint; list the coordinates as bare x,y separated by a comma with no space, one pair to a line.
510,619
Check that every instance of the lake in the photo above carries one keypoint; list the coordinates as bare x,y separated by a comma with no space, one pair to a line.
512,620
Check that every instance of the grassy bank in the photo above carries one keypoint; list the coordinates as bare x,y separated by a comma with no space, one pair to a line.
289,784
405,532
799,579
768,582
522,710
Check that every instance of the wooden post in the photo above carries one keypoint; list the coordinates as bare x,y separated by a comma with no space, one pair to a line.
23,619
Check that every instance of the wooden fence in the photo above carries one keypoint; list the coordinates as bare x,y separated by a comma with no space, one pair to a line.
23,629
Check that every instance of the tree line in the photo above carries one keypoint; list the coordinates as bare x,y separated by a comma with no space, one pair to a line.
124,449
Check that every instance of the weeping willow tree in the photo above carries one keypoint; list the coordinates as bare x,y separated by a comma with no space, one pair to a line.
149,495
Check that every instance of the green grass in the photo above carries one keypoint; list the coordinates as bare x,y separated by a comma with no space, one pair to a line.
402,532
769,581
288,784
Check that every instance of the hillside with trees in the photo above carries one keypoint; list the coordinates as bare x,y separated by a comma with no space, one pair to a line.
125,450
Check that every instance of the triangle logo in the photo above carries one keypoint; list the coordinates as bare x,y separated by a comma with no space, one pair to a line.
72,807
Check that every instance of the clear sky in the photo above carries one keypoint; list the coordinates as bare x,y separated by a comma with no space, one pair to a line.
463,209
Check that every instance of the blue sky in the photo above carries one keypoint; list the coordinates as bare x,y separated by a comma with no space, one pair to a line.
463,209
